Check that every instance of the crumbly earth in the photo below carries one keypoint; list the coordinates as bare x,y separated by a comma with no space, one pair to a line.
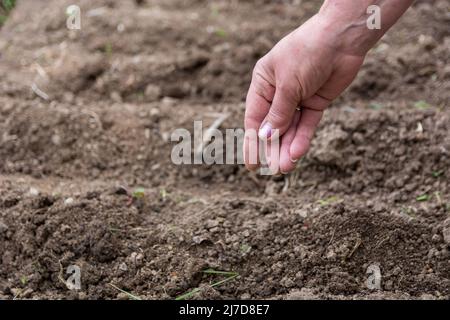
373,192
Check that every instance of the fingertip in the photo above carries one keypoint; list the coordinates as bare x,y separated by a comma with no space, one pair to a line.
298,149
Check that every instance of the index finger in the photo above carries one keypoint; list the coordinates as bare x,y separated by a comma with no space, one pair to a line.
259,99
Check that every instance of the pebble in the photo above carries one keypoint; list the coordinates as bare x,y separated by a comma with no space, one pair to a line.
68,201
123,266
152,92
33,192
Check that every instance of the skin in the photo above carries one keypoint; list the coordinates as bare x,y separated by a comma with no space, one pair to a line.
307,70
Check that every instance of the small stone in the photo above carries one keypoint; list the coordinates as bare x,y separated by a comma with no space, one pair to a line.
152,92
212,224
123,266
198,239
116,97
68,201
33,191
56,139
436,238
427,42
302,213
287,282
246,296
122,296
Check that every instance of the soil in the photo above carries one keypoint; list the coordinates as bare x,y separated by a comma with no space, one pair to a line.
374,189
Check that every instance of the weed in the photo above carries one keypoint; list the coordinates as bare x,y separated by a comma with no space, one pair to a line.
108,49
139,193
376,106
130,295
221,33
163,193
422,105
437,174
327,201
5,7
8,5
230,275
423,197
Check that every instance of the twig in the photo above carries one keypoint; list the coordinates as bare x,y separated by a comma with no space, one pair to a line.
39,92
208,134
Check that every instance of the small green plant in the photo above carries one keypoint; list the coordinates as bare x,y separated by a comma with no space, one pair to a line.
163,193
421,104
139,193
376,106
8,5
5,7
23,280
437,174
108,49
423,197
230,275
221,33
327,201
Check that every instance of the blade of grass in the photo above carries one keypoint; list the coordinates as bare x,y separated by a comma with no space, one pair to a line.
215,284
131,296
225,273
424,197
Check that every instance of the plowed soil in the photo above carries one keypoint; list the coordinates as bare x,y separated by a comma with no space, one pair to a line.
374,189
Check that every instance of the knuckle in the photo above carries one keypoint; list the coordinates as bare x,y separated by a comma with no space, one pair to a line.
288,90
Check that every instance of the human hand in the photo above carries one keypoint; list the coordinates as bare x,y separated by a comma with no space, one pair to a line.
306,70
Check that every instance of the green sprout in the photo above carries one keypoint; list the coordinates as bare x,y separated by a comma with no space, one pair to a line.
423,197
330,200
437,174
221,33
8,5
375,106
108,49
139,193
422,105
163,193
5,7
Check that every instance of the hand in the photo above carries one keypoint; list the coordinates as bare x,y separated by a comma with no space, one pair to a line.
309,68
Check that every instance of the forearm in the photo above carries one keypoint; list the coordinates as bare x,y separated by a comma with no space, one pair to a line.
347,20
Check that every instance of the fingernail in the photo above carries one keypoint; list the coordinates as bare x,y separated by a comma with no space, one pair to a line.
294,161
265,131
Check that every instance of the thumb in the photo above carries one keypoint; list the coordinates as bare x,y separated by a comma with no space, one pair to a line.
281,112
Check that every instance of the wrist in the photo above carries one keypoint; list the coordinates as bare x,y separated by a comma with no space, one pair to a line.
348,20
348,31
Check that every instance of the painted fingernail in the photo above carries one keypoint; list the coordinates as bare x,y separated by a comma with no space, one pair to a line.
265,131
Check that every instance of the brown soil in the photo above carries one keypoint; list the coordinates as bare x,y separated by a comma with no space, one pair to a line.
69,164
